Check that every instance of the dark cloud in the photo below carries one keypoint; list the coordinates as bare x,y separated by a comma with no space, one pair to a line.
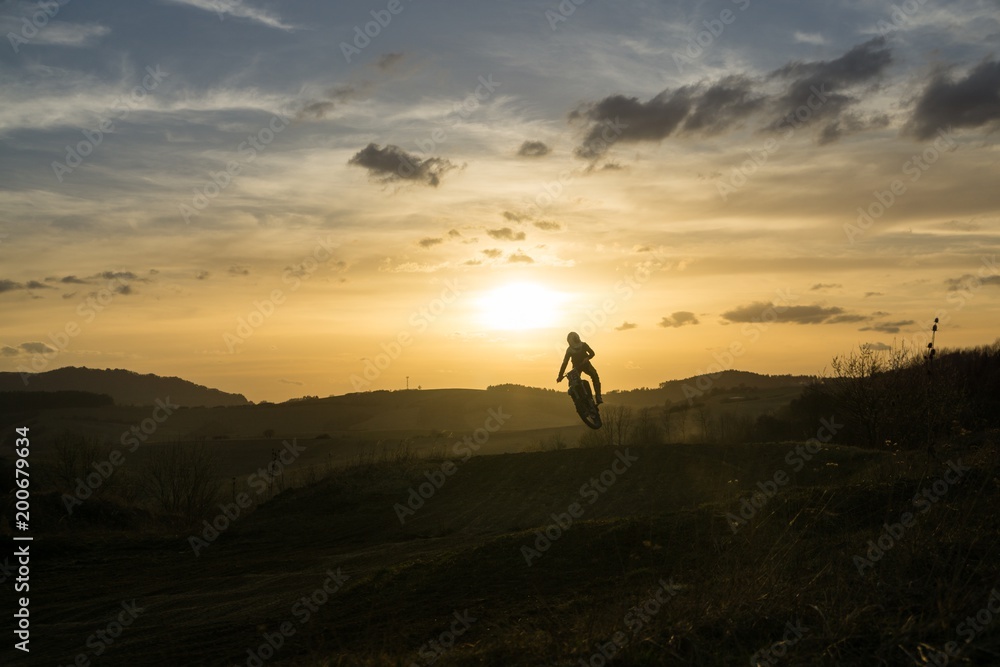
36,348
878,347
970,282
819,87
392,163
72,280
871,294
547,225
760,311
533,149
8,351
331,99
519,257
124,289
514,217
9,285
625,326
492,253
971,102
388,60
888,327
238,270
34,284
679,319
292,382
723,105
202,275
454,233
429,242
69,295
822,286
810,92
962,226
505,234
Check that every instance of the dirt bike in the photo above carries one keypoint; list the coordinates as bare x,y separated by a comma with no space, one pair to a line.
583,399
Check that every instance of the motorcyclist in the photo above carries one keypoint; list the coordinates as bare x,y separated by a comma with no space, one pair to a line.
581,354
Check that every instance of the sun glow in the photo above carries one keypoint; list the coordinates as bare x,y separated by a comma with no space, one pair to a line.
520,306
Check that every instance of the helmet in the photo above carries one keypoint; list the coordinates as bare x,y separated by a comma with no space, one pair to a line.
573,338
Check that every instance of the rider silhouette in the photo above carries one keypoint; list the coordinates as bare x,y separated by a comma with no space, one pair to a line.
581,354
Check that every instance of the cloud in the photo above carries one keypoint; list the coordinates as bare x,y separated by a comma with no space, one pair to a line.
331,99
9,285
760,311
823,286
62,33
237,9
970,102
238,270
492,253
808,38
514,217
202,275
533,149
626,326
878,347
519,257
819,87
713,109
679,319
505,234
8,351
36,348
34,284
429,242
392,163
888,327
292,382
72,280
547,225
388,60
962,226
970,282
871,294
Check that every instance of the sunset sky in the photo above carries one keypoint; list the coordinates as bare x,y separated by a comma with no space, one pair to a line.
690,185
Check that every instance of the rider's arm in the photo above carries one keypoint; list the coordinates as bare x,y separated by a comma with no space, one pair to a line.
562,369
589,351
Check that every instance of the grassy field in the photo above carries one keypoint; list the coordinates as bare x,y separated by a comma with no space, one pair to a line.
651,556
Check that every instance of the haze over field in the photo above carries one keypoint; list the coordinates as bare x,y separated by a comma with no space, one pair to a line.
260,197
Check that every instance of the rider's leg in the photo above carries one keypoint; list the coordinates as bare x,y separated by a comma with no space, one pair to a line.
592,372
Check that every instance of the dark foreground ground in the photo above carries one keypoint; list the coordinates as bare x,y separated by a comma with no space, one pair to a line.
851,557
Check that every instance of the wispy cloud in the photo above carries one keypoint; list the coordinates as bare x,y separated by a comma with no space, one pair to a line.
238,9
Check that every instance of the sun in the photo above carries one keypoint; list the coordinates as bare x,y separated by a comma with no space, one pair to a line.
520,306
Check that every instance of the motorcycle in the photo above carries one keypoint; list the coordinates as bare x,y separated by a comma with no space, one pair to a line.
583,399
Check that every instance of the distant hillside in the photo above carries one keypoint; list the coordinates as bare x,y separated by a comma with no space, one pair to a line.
124,387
